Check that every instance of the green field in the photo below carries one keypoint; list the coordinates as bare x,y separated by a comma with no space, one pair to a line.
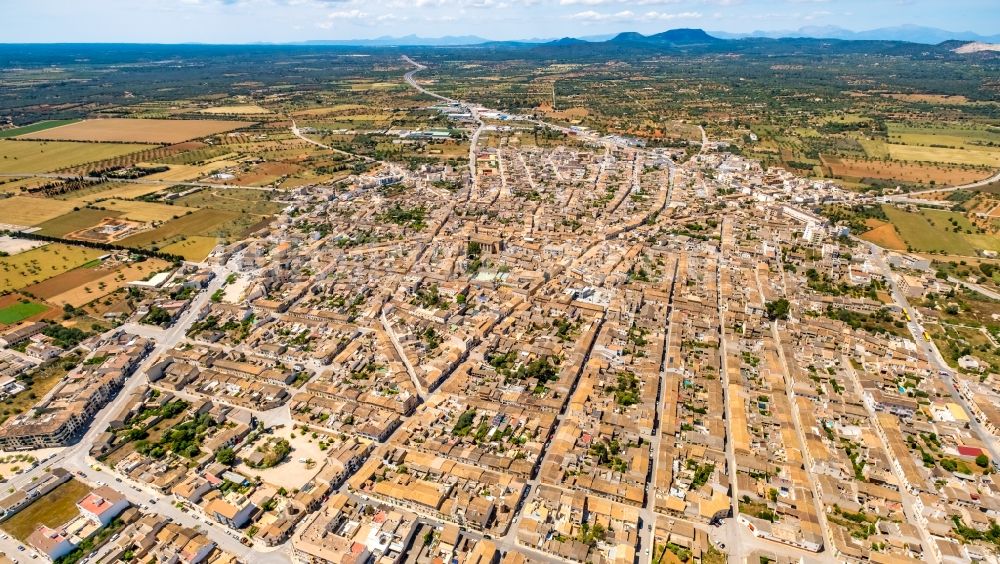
46,156
19,312
932,230
40,264
941,136
52,510
74,221
37,126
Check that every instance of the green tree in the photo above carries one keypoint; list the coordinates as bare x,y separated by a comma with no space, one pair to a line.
225,456
778,309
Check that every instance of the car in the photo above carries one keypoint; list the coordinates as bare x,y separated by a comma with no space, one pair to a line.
118,479
152,501
722,546
246,541
20,547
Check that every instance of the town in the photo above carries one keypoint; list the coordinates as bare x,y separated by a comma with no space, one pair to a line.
585,349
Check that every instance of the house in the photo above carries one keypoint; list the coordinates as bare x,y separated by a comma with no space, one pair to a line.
102,505
234,511
51,542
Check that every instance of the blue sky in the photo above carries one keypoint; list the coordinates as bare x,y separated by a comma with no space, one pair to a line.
241,21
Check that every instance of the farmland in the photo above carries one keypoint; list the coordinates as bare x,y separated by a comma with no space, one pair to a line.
106,190
904,172
941,231
145,211
980,157
19,311
244,109
35,127
46,156
201,222
193,248
885,236
78,294
27,210
74,221
122,130
41,264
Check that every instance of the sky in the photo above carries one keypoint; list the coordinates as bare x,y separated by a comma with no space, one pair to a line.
248,21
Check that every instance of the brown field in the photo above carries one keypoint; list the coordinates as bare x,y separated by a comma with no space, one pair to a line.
27,210
65,282
198,223
109,281
145,211
194,248
182,172
37,265
329,110
929,98
74,221
124,191
265,173
137,130
885,236
903,172
243,109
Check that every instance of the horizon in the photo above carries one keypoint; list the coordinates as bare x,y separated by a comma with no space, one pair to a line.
239,22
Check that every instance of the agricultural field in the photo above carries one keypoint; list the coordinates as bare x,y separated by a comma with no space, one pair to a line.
28,210
145,211
41,264
35,127
73,221
183,172
242,110
884,235
204,222
67,281
123,130
194,248
107,282
48,156
970,156
19,311
905,172
105,190
940,231
256,202
52,509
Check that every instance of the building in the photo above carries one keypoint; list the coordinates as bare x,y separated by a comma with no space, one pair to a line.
51,542
102,505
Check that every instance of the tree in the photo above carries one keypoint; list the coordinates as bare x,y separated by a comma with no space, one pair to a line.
225,456
982,461
778,309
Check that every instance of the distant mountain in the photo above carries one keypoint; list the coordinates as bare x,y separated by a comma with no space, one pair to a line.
670,37
678,38
910,33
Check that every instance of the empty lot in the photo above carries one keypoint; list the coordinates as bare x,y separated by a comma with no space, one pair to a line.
137,130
